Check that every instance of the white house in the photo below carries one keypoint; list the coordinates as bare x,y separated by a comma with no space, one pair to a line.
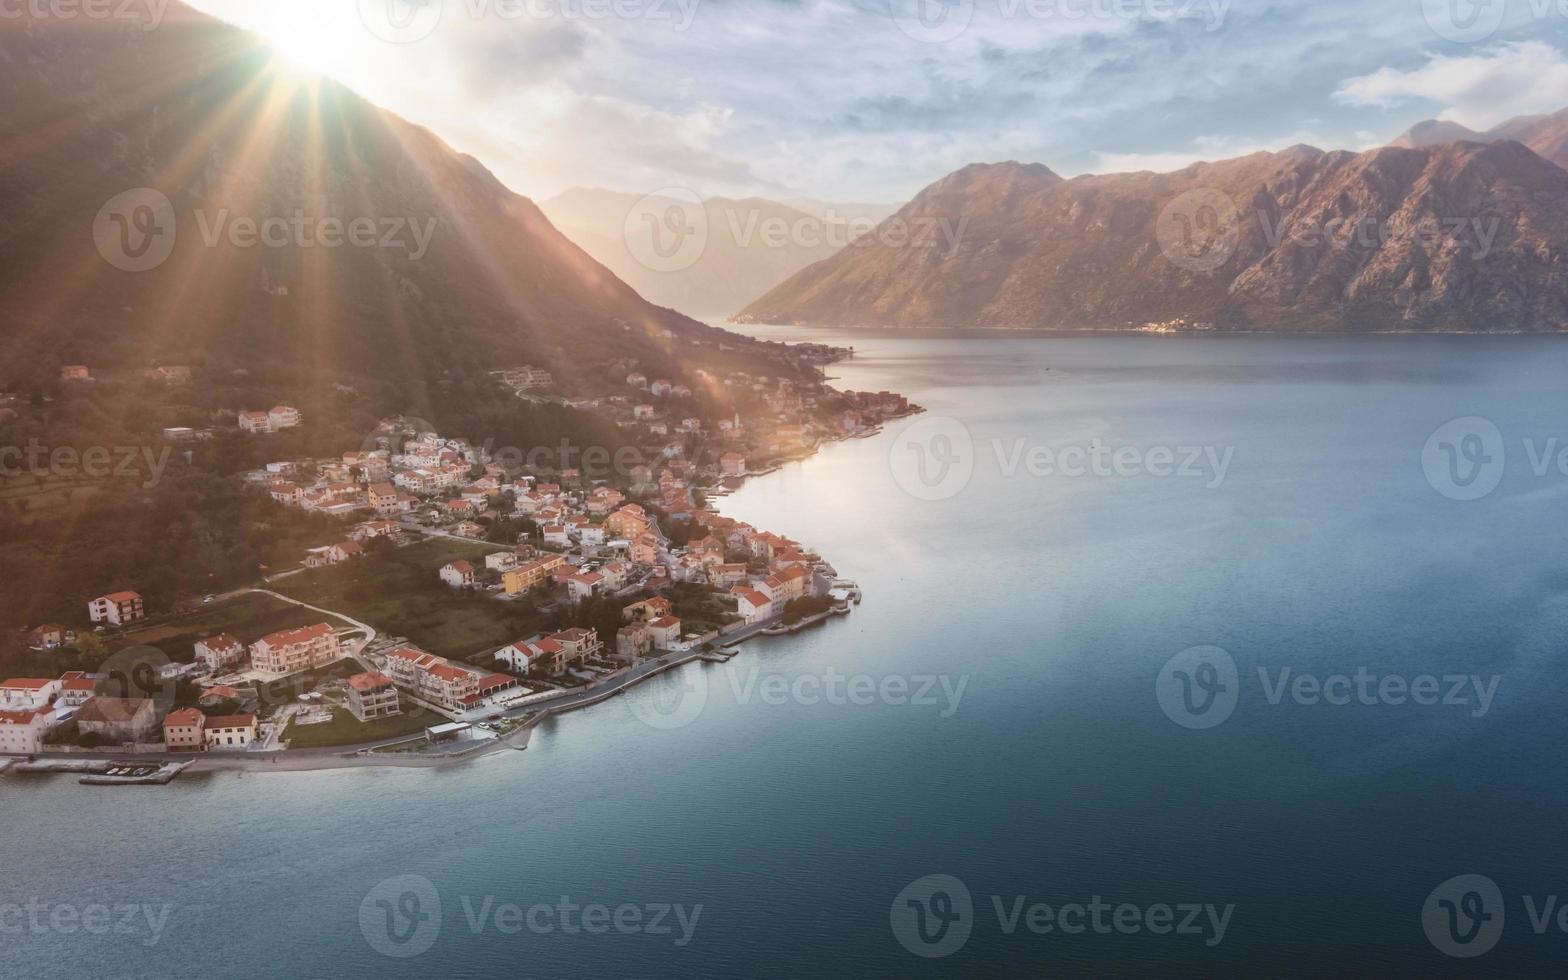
22,732
221,652
229,731
255,422
752,605
664,632
458,574
23,693
116,608
583,585
501,561
288,651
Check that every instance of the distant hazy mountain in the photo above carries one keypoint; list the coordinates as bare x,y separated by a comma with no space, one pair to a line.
1546,135
733,252
1460,236
841,210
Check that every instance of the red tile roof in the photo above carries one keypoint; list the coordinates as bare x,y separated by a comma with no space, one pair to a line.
304,634
371,680
28,683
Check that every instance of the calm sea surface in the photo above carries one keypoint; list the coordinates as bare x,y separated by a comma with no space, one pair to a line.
1049,769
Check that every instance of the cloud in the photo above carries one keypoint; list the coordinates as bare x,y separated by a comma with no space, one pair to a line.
839,99
1478,91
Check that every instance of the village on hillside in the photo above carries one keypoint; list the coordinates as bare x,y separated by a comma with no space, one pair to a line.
393,635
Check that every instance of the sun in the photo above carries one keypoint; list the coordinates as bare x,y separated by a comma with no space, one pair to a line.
309,52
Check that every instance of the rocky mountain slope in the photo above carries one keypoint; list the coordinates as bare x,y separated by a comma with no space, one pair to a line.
1547,135
1456,237
183,195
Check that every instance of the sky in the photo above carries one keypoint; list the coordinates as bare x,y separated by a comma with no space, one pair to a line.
871,100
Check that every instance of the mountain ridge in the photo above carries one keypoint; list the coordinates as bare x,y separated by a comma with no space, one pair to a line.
1457,237
207,116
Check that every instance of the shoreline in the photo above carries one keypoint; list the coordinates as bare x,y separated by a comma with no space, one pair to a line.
1053,332
368,754
365,755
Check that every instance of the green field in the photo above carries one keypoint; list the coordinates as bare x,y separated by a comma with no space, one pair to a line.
31,497
249,618
402,595
345,729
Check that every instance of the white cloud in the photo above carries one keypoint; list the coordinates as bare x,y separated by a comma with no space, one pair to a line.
1478,91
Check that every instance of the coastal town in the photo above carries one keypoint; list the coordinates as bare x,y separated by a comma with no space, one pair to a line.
609,570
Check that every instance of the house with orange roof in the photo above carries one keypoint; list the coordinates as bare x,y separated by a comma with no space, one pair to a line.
255,422
372,695
530,574
664,632
76,689
385,500
752,605
458,574
648,609
182,730
117,608
22,732
583,585
221,652
28,692
289,651
433,678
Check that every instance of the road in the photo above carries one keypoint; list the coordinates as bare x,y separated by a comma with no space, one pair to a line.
370,631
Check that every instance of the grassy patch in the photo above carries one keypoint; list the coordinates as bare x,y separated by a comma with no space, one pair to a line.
402,595
345,729
249,618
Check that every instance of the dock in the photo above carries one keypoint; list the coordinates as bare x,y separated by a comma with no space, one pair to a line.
97,772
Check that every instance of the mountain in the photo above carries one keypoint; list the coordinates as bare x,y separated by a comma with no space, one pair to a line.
1462,236
1547,135
851,211
737,249
308,233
